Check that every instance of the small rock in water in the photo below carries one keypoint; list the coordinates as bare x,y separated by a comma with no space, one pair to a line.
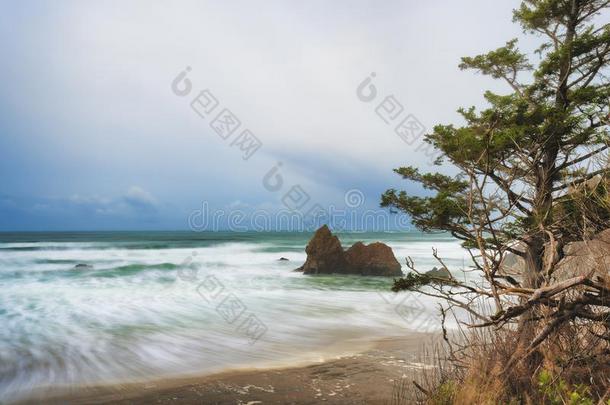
282,259
83,266
439,273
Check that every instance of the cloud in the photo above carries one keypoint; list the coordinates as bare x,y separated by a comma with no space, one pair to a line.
6,201
137,197
89,200
288,70
133,209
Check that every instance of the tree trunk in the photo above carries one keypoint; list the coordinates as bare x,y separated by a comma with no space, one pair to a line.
546,175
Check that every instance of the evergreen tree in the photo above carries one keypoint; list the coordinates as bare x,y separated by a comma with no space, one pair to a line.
521,162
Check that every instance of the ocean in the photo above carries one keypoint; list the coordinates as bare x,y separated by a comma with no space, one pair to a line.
145,305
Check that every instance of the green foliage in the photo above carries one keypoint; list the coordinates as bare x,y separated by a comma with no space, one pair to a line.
443,211
499,63
444,394
520,143
555,391
411,281
534,15
586,210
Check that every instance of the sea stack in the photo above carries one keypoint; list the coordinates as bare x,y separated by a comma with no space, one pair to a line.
325,255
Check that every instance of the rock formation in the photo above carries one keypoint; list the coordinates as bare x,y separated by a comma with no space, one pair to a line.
376,259
325,255
589,258
438,273
586,258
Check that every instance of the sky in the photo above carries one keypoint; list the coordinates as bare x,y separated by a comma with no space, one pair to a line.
95,134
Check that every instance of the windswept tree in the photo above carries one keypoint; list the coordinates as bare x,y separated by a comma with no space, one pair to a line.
522,164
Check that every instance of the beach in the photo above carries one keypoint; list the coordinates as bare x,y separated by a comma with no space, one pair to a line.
366,377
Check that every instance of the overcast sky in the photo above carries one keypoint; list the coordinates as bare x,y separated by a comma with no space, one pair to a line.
93,137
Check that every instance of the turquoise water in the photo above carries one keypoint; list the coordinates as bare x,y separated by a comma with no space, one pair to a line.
152,304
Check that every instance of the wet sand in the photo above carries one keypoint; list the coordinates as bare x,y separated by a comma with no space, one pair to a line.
363,378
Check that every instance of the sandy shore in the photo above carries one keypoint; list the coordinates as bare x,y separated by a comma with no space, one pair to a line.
363,378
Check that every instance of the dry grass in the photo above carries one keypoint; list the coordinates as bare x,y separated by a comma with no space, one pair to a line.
571,368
